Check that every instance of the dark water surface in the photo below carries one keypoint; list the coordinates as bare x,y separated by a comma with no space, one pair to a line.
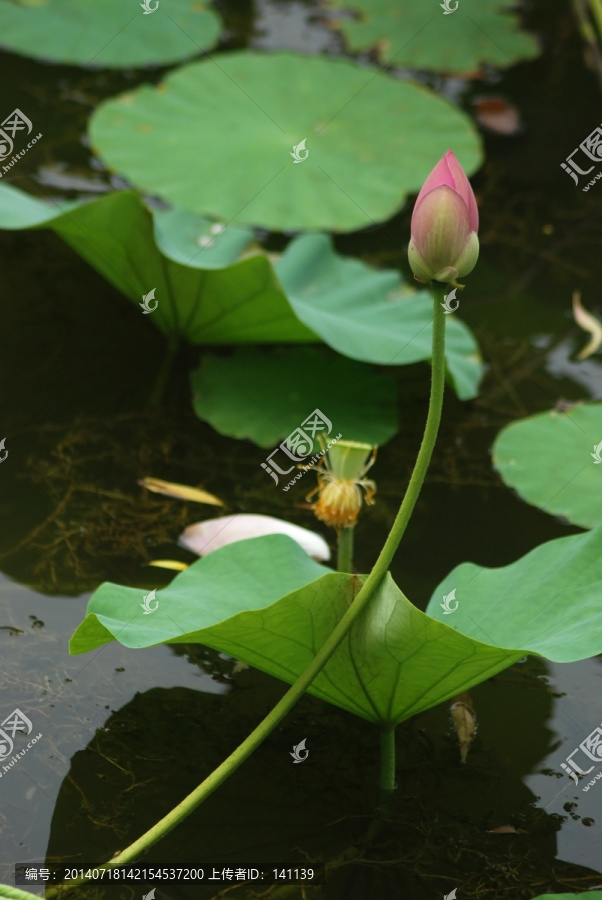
127,734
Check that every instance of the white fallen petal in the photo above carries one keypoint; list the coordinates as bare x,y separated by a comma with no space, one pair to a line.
205,537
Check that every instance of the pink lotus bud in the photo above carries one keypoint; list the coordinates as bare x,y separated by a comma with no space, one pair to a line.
445,222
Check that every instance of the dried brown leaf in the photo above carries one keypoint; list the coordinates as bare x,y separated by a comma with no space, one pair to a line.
181,491
174,564
586,321
465,722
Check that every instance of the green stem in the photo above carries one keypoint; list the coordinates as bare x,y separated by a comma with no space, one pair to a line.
276,715
596,7
163,375
386,783
428,440
13,893
345,550
387,767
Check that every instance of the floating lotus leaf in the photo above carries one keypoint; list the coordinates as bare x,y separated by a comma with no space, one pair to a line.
550,460
217,138
264,395
108,33
410,34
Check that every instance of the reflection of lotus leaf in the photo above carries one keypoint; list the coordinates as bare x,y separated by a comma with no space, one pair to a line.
408,34
216,140
89,32
256,394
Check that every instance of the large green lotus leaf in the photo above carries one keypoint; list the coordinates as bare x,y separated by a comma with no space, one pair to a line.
549,460
410,35
264,395
217,137
367,315
396,661
211,291
19,209
364,313
180,235
211,589
229,601
239,303
547,602
110,33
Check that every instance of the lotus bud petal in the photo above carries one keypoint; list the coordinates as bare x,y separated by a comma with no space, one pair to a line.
445,221
205,537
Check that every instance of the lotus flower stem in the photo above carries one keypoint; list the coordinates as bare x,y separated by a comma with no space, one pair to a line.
296,691
428,440
13,893
345,550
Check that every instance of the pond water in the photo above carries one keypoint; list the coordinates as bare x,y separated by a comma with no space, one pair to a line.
126,734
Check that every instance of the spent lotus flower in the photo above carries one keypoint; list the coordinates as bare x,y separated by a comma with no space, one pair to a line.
341,482
205,537
445,221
